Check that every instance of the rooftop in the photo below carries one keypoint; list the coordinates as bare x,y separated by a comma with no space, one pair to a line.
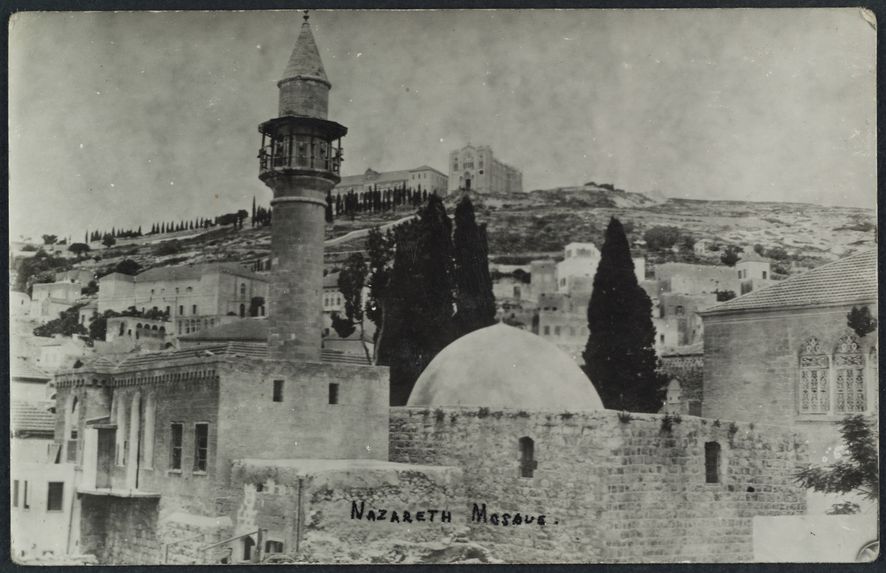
31,418
849,280
188,272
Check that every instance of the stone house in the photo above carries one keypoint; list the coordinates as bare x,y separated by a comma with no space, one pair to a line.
785,354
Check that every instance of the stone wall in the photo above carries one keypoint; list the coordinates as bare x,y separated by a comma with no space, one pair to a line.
612,488
304,424
751,368
324,510
120,531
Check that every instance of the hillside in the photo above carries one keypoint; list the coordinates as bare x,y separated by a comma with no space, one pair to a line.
522,226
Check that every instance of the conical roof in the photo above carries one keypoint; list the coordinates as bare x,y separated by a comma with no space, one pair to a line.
305,59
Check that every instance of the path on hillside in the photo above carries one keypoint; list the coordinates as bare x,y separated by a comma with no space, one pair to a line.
362,233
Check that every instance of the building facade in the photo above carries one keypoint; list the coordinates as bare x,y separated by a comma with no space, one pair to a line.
785,353
476,168
424,178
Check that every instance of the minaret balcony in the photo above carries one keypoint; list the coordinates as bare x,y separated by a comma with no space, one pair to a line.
301,144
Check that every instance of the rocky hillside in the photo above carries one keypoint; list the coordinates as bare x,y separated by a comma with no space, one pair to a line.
522,226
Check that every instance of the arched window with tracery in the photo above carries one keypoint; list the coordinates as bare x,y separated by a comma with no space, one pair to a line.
849,382
814,391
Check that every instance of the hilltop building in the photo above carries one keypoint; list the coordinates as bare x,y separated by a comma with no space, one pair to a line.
424,177
476,168
227,451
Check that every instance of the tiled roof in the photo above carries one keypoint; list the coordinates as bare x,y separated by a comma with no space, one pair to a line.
848,280
31,417
24,370
193,272
330,280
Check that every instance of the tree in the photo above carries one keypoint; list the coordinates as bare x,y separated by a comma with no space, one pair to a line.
661,238
127,267
98,325
419,322
620,354
861,321
857,472
50,239
109,241
474,300
380,251
730,256
67,324
89,289
351,282
79,249
241,215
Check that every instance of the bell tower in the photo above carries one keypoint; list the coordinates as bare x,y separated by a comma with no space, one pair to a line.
299,160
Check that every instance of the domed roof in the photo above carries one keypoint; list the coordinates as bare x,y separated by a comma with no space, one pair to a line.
504,367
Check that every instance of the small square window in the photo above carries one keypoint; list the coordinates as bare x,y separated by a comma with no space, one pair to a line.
278,391
333,393
55,496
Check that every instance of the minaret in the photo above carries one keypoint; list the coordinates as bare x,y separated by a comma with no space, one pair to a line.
299,160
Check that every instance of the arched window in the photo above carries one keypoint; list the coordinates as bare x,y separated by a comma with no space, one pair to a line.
242,289
814,391
248,545
849,383
527,457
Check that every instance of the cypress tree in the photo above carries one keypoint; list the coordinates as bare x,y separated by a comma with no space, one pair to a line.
420,321
474,301
620,353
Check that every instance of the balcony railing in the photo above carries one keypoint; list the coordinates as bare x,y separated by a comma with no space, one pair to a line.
281,155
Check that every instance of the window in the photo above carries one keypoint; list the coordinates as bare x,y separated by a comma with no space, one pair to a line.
333,393
242,289
711,462
25,504
278,390
814,391
167,310
55,496
764,274
547,330
15,493
849,383
175,449
201,446
242,310
556,331
122,328
181,309
273,546
679,310
527,457
194,309
148,447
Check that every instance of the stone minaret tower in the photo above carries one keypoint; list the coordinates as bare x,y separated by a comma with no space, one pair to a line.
299,160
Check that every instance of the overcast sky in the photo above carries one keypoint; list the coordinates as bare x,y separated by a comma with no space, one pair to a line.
123,119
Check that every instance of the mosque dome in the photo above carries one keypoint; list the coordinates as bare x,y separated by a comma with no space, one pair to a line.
504,367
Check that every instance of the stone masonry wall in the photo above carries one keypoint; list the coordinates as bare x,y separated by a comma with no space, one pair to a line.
120,531
614,488
308,505
751,370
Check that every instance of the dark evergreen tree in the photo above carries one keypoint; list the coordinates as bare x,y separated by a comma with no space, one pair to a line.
620,354
474,300
419,321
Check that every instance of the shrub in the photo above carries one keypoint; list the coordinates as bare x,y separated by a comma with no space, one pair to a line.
483,412
624,417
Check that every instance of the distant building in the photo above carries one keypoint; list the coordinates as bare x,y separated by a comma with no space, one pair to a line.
543,277
676,318
192,296
475,168
563,321
424,177
50,299
575,273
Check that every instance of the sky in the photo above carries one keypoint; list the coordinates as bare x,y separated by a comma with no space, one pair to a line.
123,119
